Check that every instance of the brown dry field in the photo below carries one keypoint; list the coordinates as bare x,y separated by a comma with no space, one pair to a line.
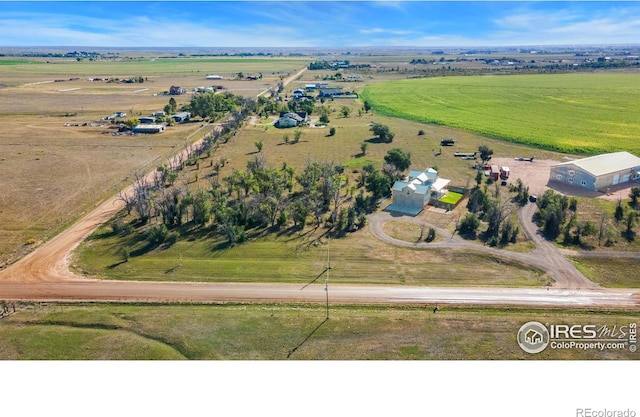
51,173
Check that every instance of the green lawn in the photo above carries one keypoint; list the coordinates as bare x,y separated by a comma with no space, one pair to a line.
452,198
573,113
280,332
293,257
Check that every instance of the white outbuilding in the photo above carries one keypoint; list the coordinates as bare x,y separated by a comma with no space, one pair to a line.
597,173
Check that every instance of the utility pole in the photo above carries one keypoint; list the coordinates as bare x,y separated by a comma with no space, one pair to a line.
326,282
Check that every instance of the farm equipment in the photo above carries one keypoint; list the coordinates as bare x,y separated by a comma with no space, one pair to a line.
447,142
465,155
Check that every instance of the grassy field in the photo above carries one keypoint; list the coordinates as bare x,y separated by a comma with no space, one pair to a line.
294,257
54,168
280,332
573,113
610,273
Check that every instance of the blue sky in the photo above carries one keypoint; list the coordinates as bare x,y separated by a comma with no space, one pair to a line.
317,23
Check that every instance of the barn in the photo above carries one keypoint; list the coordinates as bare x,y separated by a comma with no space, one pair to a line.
149,128
597,173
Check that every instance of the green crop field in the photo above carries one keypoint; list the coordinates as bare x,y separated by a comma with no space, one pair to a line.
573,113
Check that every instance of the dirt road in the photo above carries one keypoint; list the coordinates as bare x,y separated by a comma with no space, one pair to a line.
545,256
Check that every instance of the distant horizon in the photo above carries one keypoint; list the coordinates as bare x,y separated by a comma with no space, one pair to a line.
345,49
318,24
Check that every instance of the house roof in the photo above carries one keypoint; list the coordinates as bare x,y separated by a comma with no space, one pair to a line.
420,181
293,116
440,184
605,163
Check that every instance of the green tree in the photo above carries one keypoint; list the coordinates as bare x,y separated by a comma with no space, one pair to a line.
366,106
469,225
619,213
630,222
382,132
259,145
332,131
132,122
634,195
479,177
378,184
345,111
363,147
297,134
398,158
485,153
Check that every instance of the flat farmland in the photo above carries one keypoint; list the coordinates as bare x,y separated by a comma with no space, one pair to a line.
574,113
58,158
285,331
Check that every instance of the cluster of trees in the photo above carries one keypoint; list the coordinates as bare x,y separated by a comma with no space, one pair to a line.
260,196
495,208
215,106
557,216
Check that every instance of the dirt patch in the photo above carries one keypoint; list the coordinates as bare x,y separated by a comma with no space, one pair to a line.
535,174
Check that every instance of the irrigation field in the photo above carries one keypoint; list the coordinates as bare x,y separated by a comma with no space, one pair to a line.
574,113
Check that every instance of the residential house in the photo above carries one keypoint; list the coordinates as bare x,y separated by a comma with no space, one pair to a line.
291,119
412,194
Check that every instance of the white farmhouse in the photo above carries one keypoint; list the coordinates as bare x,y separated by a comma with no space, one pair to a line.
417,190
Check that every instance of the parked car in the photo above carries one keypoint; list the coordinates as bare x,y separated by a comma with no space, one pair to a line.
533,198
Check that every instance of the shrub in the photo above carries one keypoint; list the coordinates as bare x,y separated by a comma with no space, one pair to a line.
469,225
431,235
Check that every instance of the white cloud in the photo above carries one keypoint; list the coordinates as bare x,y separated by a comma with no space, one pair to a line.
384,31
569,26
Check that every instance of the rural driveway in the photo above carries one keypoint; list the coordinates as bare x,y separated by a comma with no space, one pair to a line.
546,256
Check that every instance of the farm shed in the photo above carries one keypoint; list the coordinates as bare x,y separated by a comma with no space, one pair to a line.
416,191
330,92
147,120
148,128
599,172
181,117
177,90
